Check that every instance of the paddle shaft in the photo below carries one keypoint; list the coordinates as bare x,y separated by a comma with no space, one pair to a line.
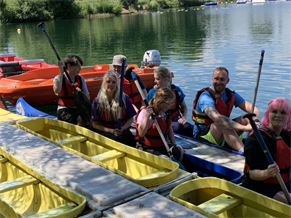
258,79
121,91
58,57
153,114
267,154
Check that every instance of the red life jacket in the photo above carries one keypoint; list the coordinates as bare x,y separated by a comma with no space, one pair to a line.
110,123
175,109
152,137
224,108
131,90
66,96
282,157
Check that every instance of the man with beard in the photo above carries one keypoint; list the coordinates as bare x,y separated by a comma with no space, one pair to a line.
211,110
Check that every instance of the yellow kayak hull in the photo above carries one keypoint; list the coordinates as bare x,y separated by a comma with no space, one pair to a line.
215,197
26,193
137,166
9,116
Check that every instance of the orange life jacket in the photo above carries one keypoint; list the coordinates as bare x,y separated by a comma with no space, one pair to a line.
224,108
152,137
110,123
66,96
131,90
282,157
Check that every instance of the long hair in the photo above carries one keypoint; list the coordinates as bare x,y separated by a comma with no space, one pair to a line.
164,73
275,103
110,109
163,94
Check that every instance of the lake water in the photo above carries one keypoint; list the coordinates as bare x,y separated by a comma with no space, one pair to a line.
192,44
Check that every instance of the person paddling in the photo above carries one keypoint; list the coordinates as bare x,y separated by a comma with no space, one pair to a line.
211,111
163,78
106,111
66,109
147,134
259,176
129,87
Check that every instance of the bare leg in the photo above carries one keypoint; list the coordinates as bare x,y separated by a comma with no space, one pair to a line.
228,134
281,197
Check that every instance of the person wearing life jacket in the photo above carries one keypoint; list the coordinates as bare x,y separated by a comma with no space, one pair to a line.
212,108
106,111
129,86
66,109
163,78
147,134
259,175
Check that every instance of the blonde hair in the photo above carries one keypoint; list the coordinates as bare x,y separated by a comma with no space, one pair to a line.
163,94
111,110
164,73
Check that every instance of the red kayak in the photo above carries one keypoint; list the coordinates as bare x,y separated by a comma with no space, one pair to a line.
36,86
10,64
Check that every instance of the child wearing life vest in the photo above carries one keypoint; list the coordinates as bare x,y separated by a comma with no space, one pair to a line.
163,78
275,130
106,111
147,134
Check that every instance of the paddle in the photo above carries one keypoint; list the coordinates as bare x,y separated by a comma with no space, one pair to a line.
257,83
121,91
267,154
82,103
156,122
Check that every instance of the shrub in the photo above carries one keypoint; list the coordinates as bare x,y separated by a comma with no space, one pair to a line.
64,9
153,5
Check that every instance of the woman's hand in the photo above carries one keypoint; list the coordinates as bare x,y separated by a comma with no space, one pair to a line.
272,170
182,120
149,111
117,132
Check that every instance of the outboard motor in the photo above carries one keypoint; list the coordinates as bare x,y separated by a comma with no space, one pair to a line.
151,58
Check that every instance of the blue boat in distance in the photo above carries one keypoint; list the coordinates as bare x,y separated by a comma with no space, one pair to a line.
210,3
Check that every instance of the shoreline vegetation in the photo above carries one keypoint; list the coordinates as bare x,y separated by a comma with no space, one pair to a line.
17,11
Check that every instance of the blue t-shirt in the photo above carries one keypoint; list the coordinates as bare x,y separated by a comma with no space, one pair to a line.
205,100
152,92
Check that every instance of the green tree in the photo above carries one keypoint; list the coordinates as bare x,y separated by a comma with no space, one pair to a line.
63,9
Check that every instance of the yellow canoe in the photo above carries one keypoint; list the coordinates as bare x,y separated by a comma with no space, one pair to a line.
8,116
214,197
26,193
137,166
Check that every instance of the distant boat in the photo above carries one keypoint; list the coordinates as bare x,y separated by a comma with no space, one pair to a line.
241,1
210,3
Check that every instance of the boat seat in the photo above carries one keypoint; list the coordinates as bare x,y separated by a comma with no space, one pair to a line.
109,155
155,174
71,140
17,183
55,211
220,204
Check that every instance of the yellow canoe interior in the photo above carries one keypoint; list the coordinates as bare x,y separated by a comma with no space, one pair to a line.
140,167
26,193
215,197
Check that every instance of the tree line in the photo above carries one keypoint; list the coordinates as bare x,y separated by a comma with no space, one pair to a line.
15,11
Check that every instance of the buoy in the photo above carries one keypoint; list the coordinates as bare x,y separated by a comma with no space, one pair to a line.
19,31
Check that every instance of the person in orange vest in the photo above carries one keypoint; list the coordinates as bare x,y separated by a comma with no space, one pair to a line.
106,111
275,130
129,86
66,109
212,107
163,78
147,136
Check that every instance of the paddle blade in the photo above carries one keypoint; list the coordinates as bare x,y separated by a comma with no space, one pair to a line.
83,106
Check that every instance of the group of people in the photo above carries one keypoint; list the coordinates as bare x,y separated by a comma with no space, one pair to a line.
211,112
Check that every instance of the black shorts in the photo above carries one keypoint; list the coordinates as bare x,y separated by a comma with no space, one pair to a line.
67,114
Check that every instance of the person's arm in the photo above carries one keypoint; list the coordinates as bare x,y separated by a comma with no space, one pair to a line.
58,82
171,135
144,125
224,121
260,175
247,107
84,88
185,112
97,125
